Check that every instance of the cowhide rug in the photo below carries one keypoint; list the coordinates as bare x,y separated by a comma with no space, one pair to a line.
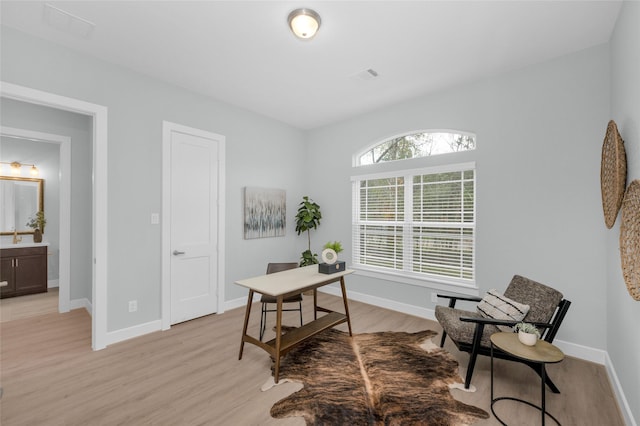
384,378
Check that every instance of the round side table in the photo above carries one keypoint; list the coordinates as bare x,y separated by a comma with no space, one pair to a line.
542,353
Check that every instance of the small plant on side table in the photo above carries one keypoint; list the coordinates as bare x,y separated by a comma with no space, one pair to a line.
528,333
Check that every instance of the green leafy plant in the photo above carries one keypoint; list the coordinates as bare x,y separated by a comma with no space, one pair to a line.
308,218
38,221
526,327
335,246
307,258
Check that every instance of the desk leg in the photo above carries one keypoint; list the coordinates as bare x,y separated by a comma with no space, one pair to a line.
276,374
315,304
246,322
346,304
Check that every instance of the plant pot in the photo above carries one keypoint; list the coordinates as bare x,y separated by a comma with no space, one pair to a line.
528,339
37,236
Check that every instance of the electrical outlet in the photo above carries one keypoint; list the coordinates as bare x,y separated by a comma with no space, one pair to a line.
133,305
434,297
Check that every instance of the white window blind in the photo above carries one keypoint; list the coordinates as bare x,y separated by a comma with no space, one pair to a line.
420,223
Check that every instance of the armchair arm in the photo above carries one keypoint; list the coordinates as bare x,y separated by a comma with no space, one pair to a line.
454,299
508,323
479,329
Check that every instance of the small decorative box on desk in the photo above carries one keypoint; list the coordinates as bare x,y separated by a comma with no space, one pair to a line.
330,268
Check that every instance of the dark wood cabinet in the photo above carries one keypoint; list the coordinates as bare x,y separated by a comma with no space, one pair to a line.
23,271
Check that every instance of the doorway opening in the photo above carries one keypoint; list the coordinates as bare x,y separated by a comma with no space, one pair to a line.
59,253
98,115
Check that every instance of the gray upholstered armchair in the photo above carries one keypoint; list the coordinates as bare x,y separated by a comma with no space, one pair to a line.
470,331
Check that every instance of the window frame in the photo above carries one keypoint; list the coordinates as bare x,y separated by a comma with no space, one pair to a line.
355,162
406,275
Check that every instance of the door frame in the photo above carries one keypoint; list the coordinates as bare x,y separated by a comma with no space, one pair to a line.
64,240
167,128
98,114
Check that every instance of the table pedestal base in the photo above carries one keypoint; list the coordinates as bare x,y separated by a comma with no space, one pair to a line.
494,400
542,408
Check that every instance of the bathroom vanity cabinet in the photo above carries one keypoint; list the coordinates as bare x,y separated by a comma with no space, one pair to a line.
23,271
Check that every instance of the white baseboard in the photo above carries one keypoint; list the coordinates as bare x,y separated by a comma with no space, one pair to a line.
617,389
131,332
53,283
81,303
152,326
580,351
571,349
575,350
240,302
383,303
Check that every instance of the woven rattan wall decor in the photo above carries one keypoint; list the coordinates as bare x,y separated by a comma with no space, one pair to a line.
630,239
613,173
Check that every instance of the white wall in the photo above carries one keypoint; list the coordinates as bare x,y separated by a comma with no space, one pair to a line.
259,152
539,132
623,313
27,116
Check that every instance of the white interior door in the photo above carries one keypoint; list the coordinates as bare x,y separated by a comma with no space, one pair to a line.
194,224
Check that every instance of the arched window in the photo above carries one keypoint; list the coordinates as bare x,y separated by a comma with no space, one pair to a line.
420,144
417,223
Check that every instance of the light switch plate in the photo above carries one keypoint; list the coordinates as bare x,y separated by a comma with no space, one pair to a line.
155,218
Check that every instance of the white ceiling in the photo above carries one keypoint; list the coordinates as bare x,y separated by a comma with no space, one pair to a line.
243,53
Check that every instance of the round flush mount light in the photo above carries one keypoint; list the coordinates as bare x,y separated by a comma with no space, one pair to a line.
304,23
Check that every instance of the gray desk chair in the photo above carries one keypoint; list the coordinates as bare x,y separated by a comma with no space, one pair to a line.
266,300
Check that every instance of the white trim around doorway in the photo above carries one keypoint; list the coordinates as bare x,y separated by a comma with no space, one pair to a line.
99,115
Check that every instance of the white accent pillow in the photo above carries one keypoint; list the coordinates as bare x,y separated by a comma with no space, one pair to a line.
497,306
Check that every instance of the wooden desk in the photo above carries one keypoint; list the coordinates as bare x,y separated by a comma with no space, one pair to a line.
542,353
288,283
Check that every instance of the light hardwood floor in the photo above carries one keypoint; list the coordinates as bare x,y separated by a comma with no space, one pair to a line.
191,375
13,308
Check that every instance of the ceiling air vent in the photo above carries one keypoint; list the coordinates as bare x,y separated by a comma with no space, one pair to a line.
365,75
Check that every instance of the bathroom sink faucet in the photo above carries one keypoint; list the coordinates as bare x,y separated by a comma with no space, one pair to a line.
16,239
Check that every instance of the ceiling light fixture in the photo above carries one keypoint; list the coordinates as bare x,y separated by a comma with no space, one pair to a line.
304,23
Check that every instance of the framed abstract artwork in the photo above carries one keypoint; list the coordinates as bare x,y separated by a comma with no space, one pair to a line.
265,212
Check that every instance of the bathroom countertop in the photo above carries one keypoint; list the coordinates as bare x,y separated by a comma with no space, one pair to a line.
22,244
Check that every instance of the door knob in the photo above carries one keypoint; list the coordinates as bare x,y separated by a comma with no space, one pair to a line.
176,252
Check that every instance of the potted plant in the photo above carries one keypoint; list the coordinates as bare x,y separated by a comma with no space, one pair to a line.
308,218
528,333
37,223
336,246
330,263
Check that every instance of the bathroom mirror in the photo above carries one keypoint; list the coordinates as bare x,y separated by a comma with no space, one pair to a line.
20,198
